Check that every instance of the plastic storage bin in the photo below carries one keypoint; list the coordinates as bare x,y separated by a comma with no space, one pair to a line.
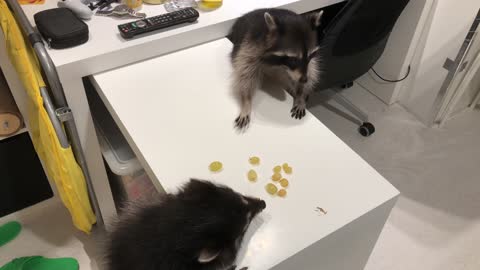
127,178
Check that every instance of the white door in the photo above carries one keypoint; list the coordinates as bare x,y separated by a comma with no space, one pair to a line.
465,86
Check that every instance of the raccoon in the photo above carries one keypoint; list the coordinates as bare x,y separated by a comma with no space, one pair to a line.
199,228
278,42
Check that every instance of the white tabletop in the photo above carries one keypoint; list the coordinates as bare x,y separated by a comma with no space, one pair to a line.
106,49
177,112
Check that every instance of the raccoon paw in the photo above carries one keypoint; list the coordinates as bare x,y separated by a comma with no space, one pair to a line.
234,267
242,121
298,112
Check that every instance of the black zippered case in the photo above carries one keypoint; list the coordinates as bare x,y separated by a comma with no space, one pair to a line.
61,28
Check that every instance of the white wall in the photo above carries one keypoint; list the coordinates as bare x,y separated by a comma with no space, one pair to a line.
398,54
449,24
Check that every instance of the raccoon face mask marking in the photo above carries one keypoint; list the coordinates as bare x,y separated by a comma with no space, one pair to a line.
294,45
296,64
200,227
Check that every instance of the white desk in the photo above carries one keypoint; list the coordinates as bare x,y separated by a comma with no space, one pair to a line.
106,50
177,113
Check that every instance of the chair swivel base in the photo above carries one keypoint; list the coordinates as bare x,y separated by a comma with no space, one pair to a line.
366,129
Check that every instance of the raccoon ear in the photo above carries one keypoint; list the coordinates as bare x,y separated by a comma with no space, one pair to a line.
207,255
316,18
270,21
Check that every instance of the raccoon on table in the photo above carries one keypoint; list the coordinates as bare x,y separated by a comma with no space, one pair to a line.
177,116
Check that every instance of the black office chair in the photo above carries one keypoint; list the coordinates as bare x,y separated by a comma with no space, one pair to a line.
351,44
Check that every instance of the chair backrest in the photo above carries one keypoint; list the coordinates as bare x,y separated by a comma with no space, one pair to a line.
355,39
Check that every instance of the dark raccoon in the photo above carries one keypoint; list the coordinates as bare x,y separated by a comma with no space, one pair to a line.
199,228
279,42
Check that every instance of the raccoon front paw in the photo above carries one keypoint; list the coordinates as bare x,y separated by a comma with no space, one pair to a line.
298,112
242,121
234,267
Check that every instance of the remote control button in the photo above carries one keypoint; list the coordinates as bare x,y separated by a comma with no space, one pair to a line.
141,24
132,29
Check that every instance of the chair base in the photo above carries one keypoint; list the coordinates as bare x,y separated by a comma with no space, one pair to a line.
366,128
347,85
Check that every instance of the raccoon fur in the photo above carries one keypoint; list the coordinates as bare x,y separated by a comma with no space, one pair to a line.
199,228
278,43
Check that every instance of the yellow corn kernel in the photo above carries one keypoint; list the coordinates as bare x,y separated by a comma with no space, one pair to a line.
254,160
252,175
284,182
288,170
282,193
271,189
277,169
276,176
215,166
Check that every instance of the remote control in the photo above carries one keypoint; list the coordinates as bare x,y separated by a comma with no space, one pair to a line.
129,30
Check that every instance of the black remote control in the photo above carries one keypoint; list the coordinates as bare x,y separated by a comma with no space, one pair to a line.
129,30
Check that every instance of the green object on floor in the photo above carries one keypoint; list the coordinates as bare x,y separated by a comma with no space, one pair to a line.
41,263
9,231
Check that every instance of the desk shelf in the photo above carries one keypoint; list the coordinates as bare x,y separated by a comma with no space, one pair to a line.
21,131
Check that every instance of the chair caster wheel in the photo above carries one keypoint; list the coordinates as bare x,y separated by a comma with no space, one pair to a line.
347,85
366,129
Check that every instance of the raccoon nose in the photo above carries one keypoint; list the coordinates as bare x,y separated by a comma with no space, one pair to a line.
262,205
303,79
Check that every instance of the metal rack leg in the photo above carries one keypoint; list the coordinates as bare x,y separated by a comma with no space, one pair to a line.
57,125
63,113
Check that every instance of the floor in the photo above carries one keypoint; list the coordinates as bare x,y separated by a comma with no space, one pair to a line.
47,230
434,226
